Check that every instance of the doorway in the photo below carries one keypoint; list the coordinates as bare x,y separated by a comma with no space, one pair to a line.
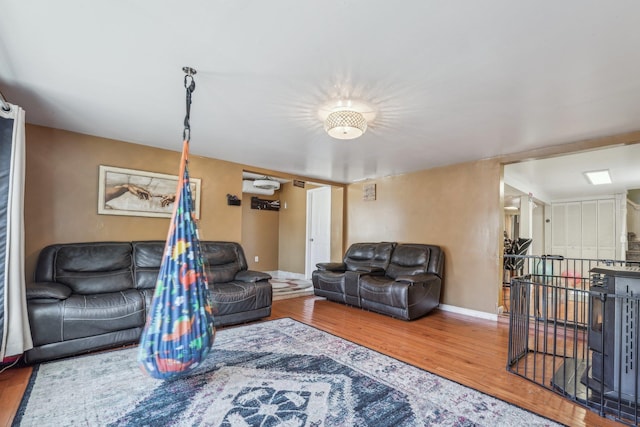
318,236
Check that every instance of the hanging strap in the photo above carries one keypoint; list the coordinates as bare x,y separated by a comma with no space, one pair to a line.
190,86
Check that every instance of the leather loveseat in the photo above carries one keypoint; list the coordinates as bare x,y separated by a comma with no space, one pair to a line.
400,280
88,296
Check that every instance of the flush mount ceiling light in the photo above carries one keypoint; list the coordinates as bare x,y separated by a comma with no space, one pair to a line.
345,124
598,177
346,119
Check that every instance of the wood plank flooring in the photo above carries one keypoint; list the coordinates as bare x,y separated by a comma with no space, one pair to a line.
13,383
467,350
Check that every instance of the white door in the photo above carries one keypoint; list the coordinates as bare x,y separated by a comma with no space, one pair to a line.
318,228
574,230
607,229
590,229
559,229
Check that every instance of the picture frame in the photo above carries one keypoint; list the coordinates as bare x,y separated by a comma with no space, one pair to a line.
133,192
369,192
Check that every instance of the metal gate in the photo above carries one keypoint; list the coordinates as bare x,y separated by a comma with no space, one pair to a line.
573,329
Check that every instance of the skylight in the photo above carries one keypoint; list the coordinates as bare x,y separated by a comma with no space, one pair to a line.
598,177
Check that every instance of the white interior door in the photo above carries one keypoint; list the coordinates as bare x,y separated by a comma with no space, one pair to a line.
318,228
606,229
590,229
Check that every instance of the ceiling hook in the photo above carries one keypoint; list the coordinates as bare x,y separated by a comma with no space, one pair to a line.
189,71
189,82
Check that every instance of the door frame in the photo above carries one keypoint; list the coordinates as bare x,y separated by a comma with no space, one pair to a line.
308,262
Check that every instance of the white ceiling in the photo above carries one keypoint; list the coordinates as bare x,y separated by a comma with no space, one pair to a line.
451,81
562,177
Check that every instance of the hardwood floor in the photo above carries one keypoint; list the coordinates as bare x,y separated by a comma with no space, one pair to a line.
13,383
467,350
464,349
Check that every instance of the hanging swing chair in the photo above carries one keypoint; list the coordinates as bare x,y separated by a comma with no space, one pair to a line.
179,331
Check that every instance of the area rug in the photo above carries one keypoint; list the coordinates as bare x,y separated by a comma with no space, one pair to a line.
273,373
290,288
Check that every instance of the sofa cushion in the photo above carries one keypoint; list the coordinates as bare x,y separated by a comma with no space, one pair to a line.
236,296
408,259
381,290
366,255
147,258
406,299
222,261
85,315
94,268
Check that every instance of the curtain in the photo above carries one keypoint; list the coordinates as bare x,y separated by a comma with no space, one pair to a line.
15,332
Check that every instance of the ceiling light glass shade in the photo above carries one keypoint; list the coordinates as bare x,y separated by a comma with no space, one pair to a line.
268,184
345,124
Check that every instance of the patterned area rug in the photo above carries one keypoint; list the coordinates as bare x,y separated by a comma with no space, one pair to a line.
290,288
274,373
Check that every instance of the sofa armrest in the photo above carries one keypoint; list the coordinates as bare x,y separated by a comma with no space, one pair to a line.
417,278
48,290
252,276
376,271
332,266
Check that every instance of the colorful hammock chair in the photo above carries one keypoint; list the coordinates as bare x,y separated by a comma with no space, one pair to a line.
179,331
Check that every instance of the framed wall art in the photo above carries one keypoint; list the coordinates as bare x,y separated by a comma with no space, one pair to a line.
140,193
369,192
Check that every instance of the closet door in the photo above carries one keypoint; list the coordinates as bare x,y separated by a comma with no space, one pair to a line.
607,229
590,229
559,229
584,229
574,230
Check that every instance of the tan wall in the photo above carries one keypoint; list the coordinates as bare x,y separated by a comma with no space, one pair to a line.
61,200
293,228
260,234
457,207
62,191
286,238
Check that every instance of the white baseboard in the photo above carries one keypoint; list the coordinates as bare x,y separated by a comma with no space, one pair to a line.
468,312
286,274
443,307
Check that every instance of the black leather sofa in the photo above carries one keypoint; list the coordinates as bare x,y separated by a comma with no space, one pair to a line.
89,296
400,280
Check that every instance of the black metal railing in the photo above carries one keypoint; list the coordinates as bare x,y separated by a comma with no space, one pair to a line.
554,270
572,332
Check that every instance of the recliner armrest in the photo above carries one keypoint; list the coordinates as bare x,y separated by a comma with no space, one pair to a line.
417,278
331,266
48,290
252,276
371,270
